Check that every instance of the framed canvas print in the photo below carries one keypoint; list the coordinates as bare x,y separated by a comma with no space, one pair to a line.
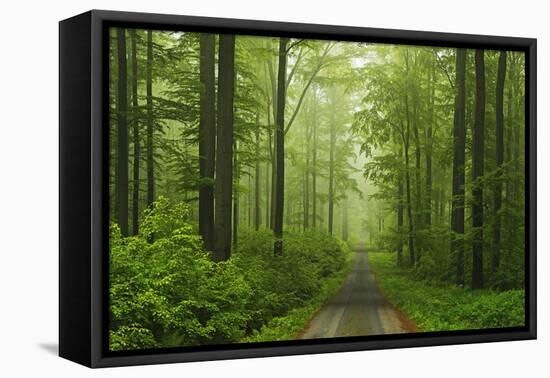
233,188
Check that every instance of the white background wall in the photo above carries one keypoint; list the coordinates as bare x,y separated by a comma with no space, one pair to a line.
29,189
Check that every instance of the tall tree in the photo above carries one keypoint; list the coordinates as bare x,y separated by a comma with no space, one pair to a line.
306,177
501,76
413,87
224,148
406,138
314,161
122,134
459,152
150,121
332,145
236,194
429,145
267,195
279,148
207,139
257,207
400,213
478,149
135,128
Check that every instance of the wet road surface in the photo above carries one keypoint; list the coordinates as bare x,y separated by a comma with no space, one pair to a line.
359,308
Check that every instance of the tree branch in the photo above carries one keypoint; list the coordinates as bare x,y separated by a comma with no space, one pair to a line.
442,67
294,67
308,84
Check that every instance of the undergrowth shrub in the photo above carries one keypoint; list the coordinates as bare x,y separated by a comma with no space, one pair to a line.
166,291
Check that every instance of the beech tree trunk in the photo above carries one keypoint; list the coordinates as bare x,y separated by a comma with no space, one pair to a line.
501,76
418,203
459,148
207,139
406,135
412,257
224,148
122,135
267,195
150,147
135,127
306,178
314,164
429,147
400,214
236,194
257,178
280,148
331,171
478,149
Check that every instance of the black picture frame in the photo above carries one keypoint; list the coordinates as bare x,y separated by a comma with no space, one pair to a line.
83,194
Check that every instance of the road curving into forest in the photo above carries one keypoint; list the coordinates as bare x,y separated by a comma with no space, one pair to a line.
358,309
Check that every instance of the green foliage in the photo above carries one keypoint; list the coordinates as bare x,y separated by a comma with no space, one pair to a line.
166,291
441,307
288,326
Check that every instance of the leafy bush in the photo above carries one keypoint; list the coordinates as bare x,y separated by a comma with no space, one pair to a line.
442,307
166,291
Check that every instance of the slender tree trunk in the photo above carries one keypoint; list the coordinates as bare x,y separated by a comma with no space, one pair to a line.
345,225
412,257
406,146
517,126
269,174
321,211
280,148
224,148
249,201
236,194
135,127
510,116
459,143
400,214
273,179
122,135
314,162
331,171
478,148
273,149
267,195
417,181
207,139
442,203
150,147
418,213
257,215
429,146
306,179
414,121
379,219
501,77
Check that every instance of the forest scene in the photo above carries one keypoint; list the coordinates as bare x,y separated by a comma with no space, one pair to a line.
273,188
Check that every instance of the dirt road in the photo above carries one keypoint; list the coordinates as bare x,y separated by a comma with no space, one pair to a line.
359,308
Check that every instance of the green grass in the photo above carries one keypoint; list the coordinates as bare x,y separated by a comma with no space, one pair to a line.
289,326
446,307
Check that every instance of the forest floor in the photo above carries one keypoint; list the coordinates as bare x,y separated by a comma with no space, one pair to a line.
437,306
358,308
